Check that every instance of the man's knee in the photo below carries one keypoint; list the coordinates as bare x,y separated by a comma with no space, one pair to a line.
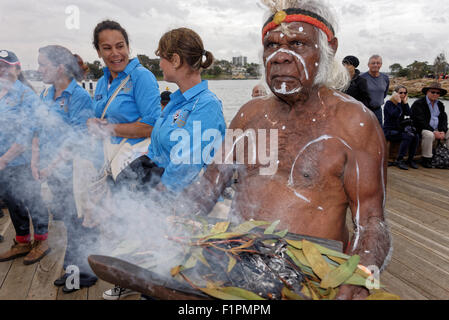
427,136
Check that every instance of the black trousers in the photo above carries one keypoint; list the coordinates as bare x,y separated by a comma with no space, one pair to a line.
22,196
80,240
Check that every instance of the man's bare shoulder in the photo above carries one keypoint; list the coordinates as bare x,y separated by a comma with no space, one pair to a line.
252,110
357,122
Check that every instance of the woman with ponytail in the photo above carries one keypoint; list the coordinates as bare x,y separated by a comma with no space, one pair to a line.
192,108
193,111
60,134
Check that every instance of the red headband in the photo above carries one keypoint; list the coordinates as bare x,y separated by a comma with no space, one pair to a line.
282,16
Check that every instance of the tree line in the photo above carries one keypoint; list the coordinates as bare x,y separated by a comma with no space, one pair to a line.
218,68
419,69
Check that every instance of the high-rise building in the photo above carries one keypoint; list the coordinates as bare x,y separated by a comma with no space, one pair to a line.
240,61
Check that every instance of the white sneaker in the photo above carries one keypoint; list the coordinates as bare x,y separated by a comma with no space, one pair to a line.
117,292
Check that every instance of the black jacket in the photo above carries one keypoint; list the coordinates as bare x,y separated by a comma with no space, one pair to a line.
358,89
421,116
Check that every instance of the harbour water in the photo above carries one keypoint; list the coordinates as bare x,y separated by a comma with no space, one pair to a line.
233,93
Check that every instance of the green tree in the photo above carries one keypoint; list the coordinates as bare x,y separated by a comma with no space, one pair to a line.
150,64
419,69
440,64
95,70
253,69
395,69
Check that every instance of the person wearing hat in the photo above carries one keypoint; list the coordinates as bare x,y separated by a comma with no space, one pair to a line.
358,89
20,192
430,119
165,98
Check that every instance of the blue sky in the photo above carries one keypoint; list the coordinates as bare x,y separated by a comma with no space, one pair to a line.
400,30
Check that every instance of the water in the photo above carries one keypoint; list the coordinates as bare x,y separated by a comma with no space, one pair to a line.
233,93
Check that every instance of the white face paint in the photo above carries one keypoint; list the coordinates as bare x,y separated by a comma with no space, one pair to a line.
290,52
301,29
316,64
242,115
316,46
282,35
283,127
362,124
283,90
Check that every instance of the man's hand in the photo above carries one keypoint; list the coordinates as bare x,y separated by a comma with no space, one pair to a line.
350,292
439,135
98,128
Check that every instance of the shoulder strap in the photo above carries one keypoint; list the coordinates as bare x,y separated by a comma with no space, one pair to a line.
116,92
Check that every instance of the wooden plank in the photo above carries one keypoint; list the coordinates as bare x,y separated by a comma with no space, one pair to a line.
96,291
396,286
415,280
50,267
18,281
424,209
426,268
424,242
432,265
417,227
422,194
8,232
430,184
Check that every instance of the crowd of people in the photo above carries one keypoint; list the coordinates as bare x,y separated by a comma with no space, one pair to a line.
328,143
42,135
425,121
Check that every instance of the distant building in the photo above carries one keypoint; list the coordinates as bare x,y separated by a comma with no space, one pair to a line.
240,61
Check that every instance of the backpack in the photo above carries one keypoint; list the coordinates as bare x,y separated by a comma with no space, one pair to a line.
440,158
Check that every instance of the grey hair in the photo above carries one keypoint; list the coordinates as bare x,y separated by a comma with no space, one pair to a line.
375,56
331,72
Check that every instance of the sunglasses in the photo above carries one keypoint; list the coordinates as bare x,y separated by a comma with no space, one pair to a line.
436,92
402,92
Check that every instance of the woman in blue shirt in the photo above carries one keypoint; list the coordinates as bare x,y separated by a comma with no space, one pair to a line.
191,127
18,189
134,111
61,133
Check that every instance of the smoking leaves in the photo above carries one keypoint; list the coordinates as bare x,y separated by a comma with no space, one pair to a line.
323,270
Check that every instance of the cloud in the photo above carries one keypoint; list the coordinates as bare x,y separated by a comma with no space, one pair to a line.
402,31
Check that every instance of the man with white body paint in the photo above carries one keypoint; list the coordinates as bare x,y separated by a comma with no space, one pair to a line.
329,158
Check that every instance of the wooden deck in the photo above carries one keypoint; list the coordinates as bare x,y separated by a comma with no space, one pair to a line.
417,212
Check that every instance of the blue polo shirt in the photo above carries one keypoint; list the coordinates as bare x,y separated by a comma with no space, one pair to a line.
16,121
63,121
184,139
139,99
